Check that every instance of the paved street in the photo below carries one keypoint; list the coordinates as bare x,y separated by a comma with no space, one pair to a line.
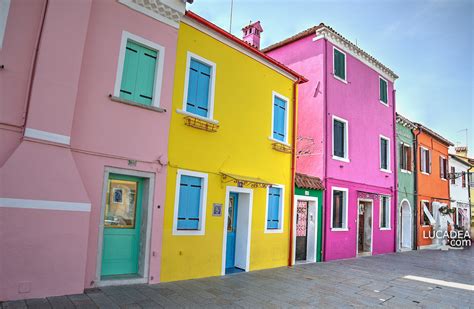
365,282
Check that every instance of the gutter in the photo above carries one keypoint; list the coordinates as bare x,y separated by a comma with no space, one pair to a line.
395,169
325,151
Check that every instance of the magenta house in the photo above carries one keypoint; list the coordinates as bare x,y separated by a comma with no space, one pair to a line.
83,142
346,133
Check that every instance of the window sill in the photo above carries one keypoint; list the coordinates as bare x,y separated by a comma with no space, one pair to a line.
386,171
383,103
278,141
188,233
385,228
275,231
339,230
341,159
339,79
131,103
182,112
425,173
443,179
405,171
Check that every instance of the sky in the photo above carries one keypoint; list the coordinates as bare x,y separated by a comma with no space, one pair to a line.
428,44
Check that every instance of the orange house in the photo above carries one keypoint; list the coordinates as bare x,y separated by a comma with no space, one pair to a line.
432,183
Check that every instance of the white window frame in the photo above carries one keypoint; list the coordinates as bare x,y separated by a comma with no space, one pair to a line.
202,222
402,144
281,210
334,65
345,210
212,84
346,140
158,70
447,168
386,82
426,163
4,8
389,227
276,94
389,159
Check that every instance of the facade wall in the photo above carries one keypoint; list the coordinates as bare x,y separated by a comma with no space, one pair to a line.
459,195
356,101
430,187
319,195
243,108
53,175
406,179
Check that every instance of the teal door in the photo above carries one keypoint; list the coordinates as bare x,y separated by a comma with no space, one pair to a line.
122,222
231,231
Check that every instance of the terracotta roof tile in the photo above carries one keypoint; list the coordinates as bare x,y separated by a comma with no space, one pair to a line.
304,181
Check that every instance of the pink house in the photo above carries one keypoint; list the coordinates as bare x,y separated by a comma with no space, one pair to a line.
346,134
83,142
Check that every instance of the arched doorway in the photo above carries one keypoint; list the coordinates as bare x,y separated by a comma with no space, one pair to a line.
406,225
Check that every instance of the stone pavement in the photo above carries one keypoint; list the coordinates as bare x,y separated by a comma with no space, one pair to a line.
376,281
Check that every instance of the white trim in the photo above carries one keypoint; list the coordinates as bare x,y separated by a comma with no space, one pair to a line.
389,213
345,226
334,65
371,201
4,8
428,164
403,144
147,201
47,136
428,213
44,204
172,12
287,112
386,86
185,113
236,46
281,211
309,199
230,189
189,56
346,139
202,222
158,70
389,159
356,52
447,168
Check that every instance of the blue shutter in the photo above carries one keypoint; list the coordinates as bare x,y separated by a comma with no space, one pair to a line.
189,203
274,200
198,88
279,119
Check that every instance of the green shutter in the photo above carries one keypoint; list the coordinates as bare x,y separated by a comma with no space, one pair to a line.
339,64
138,77
383,90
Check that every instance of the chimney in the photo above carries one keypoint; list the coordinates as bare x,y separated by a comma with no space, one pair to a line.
251,34
461,151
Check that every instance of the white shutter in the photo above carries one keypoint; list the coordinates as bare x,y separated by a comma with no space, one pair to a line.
428,214
429,161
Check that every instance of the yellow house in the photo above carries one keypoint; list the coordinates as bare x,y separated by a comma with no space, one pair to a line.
230,172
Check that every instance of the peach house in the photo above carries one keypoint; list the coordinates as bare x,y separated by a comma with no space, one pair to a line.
83,142
346,134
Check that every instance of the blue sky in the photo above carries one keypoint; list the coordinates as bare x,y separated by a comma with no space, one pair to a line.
429,44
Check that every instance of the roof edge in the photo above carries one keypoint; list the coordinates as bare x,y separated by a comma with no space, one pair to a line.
434,134
299,78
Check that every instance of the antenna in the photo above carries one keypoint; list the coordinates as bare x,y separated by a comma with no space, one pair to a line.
231,8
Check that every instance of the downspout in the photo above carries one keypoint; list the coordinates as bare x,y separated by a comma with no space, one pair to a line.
293,164
325,152
395,170
32,70
415,173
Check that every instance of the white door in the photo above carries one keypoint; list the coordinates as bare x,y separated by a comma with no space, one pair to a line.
406,225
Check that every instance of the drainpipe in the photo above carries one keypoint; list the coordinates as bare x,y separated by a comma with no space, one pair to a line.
395,170
293,164
415,173
32,70
325,153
